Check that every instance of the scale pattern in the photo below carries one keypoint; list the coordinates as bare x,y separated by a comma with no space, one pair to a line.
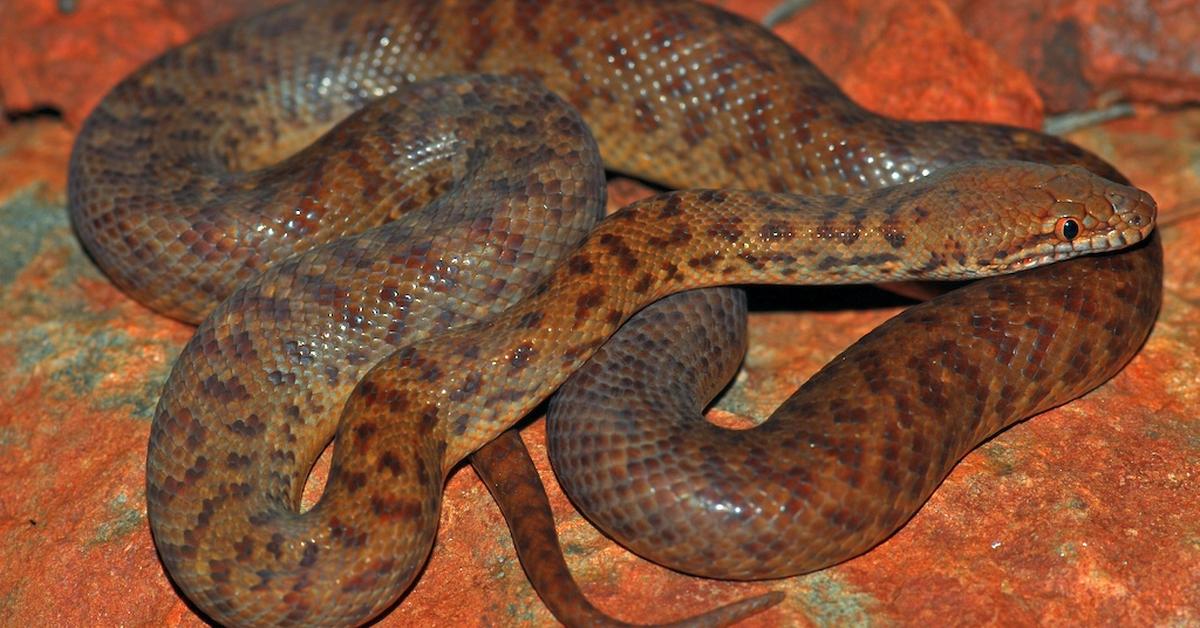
677,93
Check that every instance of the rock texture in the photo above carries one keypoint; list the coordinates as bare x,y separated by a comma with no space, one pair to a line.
1086,514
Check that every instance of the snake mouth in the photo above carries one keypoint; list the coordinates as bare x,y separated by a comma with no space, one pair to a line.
1051,251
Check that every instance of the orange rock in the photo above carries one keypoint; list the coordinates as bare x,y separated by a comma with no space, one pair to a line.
925,65
33,153
1087,53
911,60
67,60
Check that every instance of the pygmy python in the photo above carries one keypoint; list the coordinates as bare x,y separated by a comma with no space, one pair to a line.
480,284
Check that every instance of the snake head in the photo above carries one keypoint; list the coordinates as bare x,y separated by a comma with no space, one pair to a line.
1091,213
1065,212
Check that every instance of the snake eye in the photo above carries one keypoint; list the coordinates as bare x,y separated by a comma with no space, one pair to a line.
1067,229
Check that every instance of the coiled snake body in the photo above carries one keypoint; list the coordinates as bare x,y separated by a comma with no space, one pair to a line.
191,179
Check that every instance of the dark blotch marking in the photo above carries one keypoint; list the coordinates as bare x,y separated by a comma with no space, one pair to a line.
679,234
399,508
460,423
310,555
828,262
673,206
616,245
521,356
245,549
390,462
727,228
275,546
197,470
363,433
429,419
873,260
705,261
237,461
753,260
470,386
355,481
643,284
225,392
589,300
776,231
851,234
579,265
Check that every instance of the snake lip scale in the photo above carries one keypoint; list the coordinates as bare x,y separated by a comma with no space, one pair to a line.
385,219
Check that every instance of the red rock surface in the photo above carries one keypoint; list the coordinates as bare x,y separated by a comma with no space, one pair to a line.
67,60
914,58
1086,53
1079,54
1083,515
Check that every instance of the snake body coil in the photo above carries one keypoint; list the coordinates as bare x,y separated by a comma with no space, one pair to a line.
480,284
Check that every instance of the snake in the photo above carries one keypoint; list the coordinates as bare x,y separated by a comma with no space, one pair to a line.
385,217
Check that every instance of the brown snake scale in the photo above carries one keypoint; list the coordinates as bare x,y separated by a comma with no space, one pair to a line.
418,278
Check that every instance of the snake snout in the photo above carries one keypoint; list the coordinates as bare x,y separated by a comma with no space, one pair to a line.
1134,207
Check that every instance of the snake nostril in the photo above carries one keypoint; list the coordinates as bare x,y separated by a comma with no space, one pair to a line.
1137,209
